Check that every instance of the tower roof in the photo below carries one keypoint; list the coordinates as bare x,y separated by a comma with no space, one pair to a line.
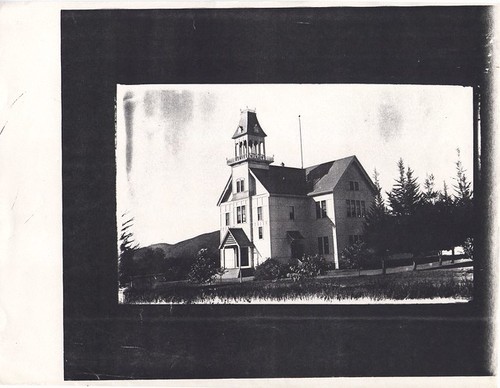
248,125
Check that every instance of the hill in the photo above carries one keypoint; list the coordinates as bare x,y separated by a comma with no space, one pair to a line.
191,246
184,249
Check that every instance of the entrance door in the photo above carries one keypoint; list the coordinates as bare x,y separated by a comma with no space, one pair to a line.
244,257
297,249
230,257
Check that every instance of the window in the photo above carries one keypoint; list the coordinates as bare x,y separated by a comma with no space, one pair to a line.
321,209
240,185
227,219
356,208
292,212
353,186
323,246
261,233
259,213
326,246
241,216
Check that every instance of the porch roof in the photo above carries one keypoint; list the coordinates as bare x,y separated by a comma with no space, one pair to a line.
235,236
294,235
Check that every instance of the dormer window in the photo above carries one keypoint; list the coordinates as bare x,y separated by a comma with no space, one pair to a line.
240,185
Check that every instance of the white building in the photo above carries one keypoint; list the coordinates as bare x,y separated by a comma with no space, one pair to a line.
282,212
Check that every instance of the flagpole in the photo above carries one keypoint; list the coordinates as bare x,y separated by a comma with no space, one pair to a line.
301,155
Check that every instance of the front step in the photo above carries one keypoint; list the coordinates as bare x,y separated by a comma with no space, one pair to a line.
231,273
234,273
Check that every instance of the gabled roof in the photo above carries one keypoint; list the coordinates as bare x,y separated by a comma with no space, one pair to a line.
227,189
282,180
248,125
294,235
312,180
325,176
238,236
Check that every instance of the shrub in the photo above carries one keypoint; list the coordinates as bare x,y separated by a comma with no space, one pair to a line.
205,268
355,256
469,248
307,267
271,269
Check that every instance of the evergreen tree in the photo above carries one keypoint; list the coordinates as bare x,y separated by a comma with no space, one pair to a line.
396,195
415,230
444,210
427,219
412,194
127,248
405,195
430,195
377,227
444,196
405,201
463,214
463,192
378,208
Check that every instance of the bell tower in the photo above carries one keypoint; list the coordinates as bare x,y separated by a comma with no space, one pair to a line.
249,142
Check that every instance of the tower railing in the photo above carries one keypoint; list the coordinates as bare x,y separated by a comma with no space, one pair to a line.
250,157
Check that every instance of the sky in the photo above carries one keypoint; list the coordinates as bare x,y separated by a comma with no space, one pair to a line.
172,141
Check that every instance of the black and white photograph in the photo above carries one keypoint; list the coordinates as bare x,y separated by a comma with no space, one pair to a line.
330,198
220,194
224,194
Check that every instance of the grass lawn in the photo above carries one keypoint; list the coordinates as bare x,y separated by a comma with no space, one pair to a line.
453,283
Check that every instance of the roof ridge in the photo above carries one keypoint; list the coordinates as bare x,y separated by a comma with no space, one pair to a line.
331,161
294,168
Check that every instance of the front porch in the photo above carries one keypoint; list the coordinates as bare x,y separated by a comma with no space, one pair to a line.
236,254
